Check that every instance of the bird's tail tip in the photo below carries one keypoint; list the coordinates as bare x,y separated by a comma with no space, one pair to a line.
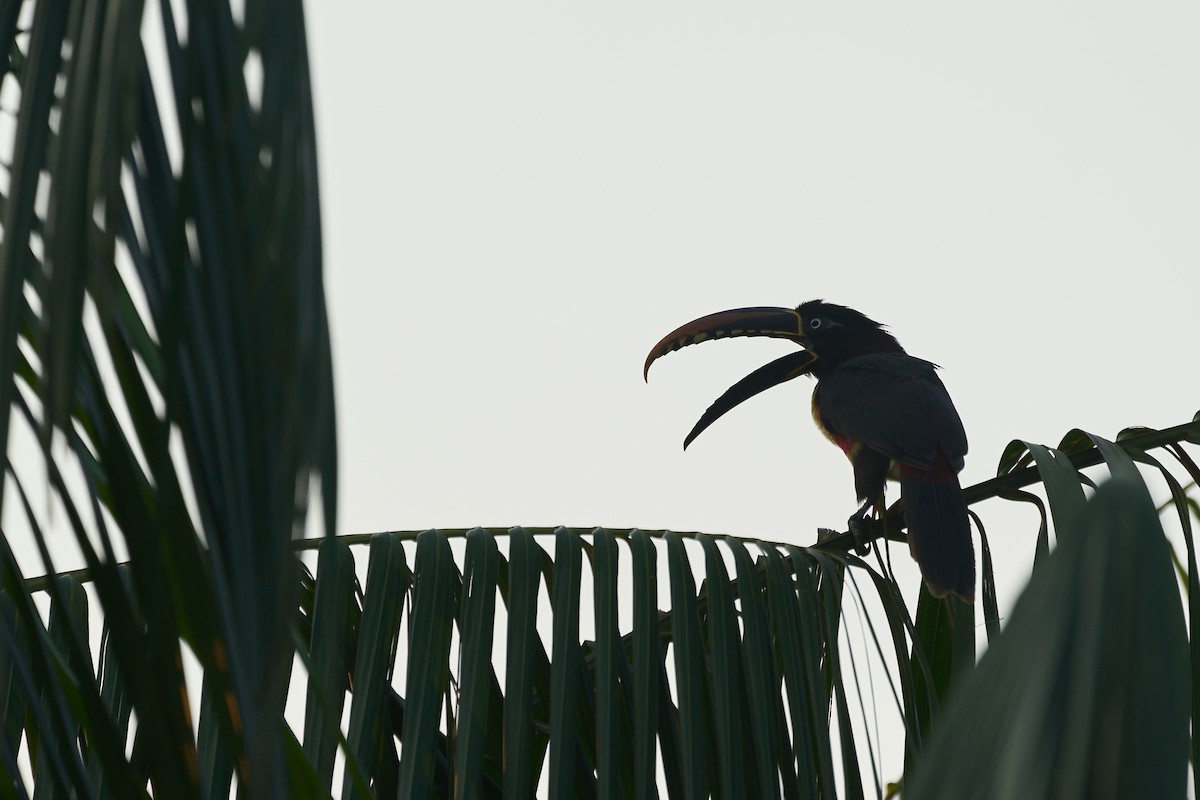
939,536
964,591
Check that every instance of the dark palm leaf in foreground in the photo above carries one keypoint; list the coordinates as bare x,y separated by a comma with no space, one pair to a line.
211,330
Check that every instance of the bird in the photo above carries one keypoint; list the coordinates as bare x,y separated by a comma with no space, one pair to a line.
888,411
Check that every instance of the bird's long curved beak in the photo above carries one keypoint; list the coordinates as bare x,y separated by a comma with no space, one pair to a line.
779,323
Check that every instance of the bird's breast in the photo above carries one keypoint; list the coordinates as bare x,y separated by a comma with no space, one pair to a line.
848,446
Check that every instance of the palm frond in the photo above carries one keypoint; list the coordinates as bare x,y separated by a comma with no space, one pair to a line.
1081,693
209,327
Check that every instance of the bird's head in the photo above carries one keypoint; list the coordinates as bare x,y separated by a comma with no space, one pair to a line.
829,334
837,333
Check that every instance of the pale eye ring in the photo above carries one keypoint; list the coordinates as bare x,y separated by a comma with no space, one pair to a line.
814,324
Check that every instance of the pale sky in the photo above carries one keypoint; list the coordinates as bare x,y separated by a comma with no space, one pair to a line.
520,201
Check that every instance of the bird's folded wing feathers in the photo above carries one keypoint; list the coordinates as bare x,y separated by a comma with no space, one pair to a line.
896,404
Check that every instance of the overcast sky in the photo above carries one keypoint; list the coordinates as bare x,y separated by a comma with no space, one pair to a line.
520,201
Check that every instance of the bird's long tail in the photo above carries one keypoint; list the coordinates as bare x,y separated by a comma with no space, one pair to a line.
939,532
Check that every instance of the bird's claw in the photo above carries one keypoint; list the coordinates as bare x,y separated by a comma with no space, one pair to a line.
859,526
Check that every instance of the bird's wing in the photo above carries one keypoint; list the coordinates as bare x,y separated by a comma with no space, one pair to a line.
896,404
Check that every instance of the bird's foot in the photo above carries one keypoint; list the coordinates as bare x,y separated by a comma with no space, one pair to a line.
859,526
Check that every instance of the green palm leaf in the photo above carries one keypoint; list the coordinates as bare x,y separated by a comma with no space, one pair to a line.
1081,693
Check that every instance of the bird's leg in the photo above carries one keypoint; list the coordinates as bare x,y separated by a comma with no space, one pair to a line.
859,526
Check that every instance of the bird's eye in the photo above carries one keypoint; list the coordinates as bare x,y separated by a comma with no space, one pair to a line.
813,324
